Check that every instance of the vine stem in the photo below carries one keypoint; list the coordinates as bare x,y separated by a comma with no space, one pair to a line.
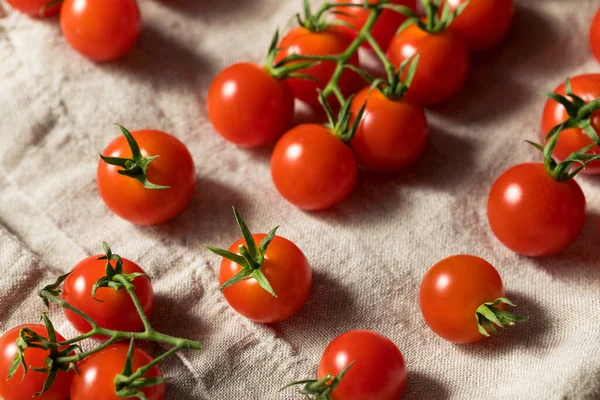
131,290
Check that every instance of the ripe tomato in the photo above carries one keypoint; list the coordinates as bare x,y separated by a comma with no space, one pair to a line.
570,140
443,66
330,41
483,23
392,134
378,372
112,309
386,26
17,389
288,272
100,30
249,107
312,169
128,198
34,7
533,214
97,373
595,36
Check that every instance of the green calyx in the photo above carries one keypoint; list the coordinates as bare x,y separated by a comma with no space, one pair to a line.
342,127
251,257
136,166
489,315
319,389
434,21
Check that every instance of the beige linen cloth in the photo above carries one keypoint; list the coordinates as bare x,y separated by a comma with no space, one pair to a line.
368,254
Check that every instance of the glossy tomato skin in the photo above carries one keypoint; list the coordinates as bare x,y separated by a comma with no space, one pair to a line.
570,140
33,7
386,26
392,134
115,310
533,214
378,372
101,30
126,196
18,389
287,270
451,292
330,41
97,373
483,23
595,36
312,169
443,65
249,107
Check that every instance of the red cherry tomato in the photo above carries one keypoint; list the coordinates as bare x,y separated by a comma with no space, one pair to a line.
378,372
533,214
312,169
112,309
100,30
287,270
595,36
588,88
443,65
97,373
392,134
483,23
127,197
17,389
34,7
386,26
249,107
330,41
451,292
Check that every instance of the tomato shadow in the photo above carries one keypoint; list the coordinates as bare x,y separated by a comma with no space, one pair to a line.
207,8
181,316
422,386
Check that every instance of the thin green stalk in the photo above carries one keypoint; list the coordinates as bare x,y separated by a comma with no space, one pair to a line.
131,290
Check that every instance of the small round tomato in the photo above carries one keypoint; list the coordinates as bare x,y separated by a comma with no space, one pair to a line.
249,107
392,134
533,214
313,169
451,292
34,7
129,199
483,23
386,26
570,140
100,30
595,36
111,309
378,372
97,373
16,388
443,65
330,41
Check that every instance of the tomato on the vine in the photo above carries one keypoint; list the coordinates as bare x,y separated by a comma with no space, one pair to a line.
313,169
17,388
97,373
100,30
595,36
34,7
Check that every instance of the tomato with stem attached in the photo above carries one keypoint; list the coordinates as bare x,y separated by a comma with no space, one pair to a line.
35,8
17,388
100,30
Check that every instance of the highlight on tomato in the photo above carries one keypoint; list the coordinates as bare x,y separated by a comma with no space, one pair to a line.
36,8
146,177
462,299
100,30
264,277
594,39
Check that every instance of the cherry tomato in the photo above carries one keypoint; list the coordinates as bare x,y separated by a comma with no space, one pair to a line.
34,7
112,309
386,26
17,389
595,36
330,41
287,270
392,134
570,140
97,373
128,198
100,30
378,372
312,169
483,23
249,107
443,65
451,292
533,214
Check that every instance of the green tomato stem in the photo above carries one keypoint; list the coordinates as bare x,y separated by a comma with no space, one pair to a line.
131,290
